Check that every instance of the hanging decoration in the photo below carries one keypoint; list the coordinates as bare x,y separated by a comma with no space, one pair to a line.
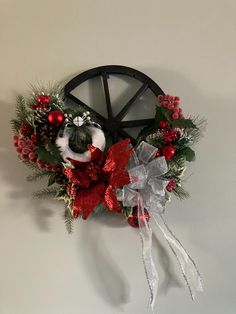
69,148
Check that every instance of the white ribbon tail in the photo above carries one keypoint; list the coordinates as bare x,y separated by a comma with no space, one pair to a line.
149,266
188,266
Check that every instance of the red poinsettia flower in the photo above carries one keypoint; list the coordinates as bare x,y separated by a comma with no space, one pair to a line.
98,179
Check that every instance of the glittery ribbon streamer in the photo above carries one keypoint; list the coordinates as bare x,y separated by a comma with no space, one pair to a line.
147,191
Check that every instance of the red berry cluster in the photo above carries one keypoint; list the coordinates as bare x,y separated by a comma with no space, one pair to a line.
171,185
26,130
71,190
26,147
43,102
170,135
172,103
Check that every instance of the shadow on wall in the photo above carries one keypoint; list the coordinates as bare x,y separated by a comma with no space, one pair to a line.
13,174
111,284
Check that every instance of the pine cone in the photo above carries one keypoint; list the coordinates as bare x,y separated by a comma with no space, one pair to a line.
47,133
41,114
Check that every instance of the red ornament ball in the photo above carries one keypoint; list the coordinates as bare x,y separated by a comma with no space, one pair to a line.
168,151
56,117
133,220
26,129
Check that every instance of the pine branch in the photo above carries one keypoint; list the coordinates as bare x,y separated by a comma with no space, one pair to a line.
180,192
54,90
194,135
38,175
69,220
15,125
29,164
46,193
21,111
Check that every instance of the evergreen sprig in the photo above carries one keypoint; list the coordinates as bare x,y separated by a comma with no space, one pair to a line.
15,125
180,192
46,193
68,218
38,175
21,110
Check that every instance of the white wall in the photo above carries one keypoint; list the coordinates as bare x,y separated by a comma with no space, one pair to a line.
189,48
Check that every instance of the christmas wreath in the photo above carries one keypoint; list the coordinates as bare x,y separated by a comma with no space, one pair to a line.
69,148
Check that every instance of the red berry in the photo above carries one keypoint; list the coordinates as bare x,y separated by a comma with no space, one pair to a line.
160,97
18,149
15,138
15,144
34,138
48,166
40,164
168,151
71,190
177,98
21,143
30,143
43,106
167,96
169,188
163,124
32,156
175,116
44,99
170,106
133,220
176,103
35,106
171,185
26,129
25,151
164,103
171,98
176,110
22,156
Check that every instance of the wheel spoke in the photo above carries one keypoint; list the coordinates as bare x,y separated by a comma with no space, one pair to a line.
135,123
107,94
125,135
126,108
86,107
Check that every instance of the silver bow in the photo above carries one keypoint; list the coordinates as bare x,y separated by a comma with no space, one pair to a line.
147,191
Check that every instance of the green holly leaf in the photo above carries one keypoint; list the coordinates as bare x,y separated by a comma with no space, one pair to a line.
162,113
45,155
50,153
55,152
51,179
188,153
183,123
61,194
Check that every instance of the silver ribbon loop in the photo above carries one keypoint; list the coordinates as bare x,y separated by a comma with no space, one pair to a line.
147,191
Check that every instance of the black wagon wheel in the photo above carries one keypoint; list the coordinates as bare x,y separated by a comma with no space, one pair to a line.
113,125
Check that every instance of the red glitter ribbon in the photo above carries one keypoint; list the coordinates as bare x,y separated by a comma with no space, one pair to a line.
98,179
